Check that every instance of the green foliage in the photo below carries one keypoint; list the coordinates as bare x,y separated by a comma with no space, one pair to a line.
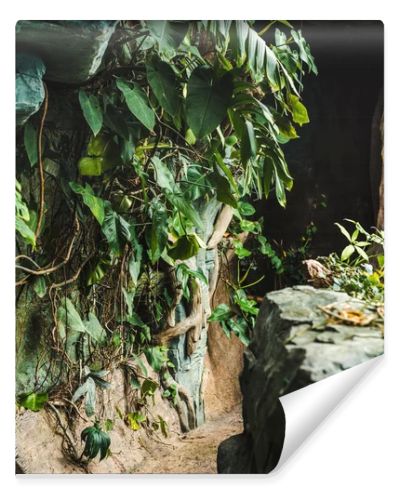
199,112
96,442
91,111
356,272
34,401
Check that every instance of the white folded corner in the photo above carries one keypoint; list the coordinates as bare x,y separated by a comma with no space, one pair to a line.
306,408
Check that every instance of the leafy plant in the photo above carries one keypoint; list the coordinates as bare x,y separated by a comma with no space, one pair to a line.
97,442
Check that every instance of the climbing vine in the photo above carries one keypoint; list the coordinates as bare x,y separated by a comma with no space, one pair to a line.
110,228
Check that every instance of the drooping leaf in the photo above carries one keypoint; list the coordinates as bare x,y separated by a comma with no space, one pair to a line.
208,99
95,204
223,189
91,110
186,247
163,82
157,234
268,172
248,146
137,102
30,143
25,231
299,111
279,190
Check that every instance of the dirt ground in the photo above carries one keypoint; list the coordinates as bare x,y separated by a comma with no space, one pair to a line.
194,452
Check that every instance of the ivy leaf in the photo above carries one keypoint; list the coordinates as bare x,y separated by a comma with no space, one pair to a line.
95,204
34,401
91,111
299,111
30,143
137,102
25,231
208,99
163,82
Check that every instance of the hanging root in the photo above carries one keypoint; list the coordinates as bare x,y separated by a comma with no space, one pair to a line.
40,161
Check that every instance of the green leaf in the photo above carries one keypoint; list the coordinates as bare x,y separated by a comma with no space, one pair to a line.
69,316
221,313
347,252
94,328
34,401
223,188
344,231
157,236
30,143
137,102
246,209
279,190
362,253
164,176
186,247
268,172
91,111
286,128
95,204
40,286
186,209
163,82
248,146
169,35
208,99
25,231
299,111
156,356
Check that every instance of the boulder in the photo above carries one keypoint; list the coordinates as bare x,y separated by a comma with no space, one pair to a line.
72,50
29,89
298,339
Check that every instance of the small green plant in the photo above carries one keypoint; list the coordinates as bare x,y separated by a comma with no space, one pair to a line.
96,442
360,269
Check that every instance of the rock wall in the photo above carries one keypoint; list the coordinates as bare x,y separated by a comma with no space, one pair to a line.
294,344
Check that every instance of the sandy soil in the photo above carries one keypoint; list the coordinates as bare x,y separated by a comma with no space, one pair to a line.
194,452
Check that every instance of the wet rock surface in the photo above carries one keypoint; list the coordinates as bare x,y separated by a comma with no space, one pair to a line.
298,340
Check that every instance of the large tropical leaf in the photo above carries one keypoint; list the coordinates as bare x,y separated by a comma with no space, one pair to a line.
208,99
168,34
137,102
163,82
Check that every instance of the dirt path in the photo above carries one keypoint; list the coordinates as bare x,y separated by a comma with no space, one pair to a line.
194,452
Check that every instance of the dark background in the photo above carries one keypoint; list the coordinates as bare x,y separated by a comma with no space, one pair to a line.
332,157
